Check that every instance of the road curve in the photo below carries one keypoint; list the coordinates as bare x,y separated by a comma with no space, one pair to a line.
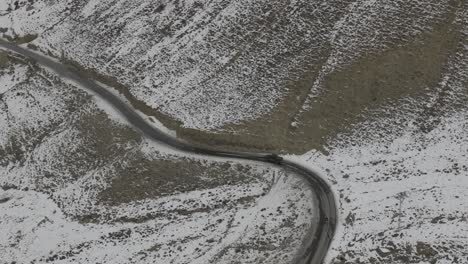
315,250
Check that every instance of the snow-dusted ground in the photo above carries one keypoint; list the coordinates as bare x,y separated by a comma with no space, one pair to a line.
59,152
401,176
35,228
212,63
396,195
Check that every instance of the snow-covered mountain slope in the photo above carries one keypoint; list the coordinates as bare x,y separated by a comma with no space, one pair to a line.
246,70
402,175
380,88
79,186
402,201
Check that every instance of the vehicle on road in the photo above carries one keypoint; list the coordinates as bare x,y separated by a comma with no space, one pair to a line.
274,158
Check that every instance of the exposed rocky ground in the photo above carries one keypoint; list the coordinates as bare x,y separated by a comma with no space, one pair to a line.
372,92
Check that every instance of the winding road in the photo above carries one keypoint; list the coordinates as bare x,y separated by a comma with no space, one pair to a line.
315,249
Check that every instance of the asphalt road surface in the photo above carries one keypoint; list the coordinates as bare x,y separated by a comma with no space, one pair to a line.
314,250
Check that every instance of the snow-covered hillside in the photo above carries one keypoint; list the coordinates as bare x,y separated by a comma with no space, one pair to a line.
78,185
238,66
374,93
405,201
